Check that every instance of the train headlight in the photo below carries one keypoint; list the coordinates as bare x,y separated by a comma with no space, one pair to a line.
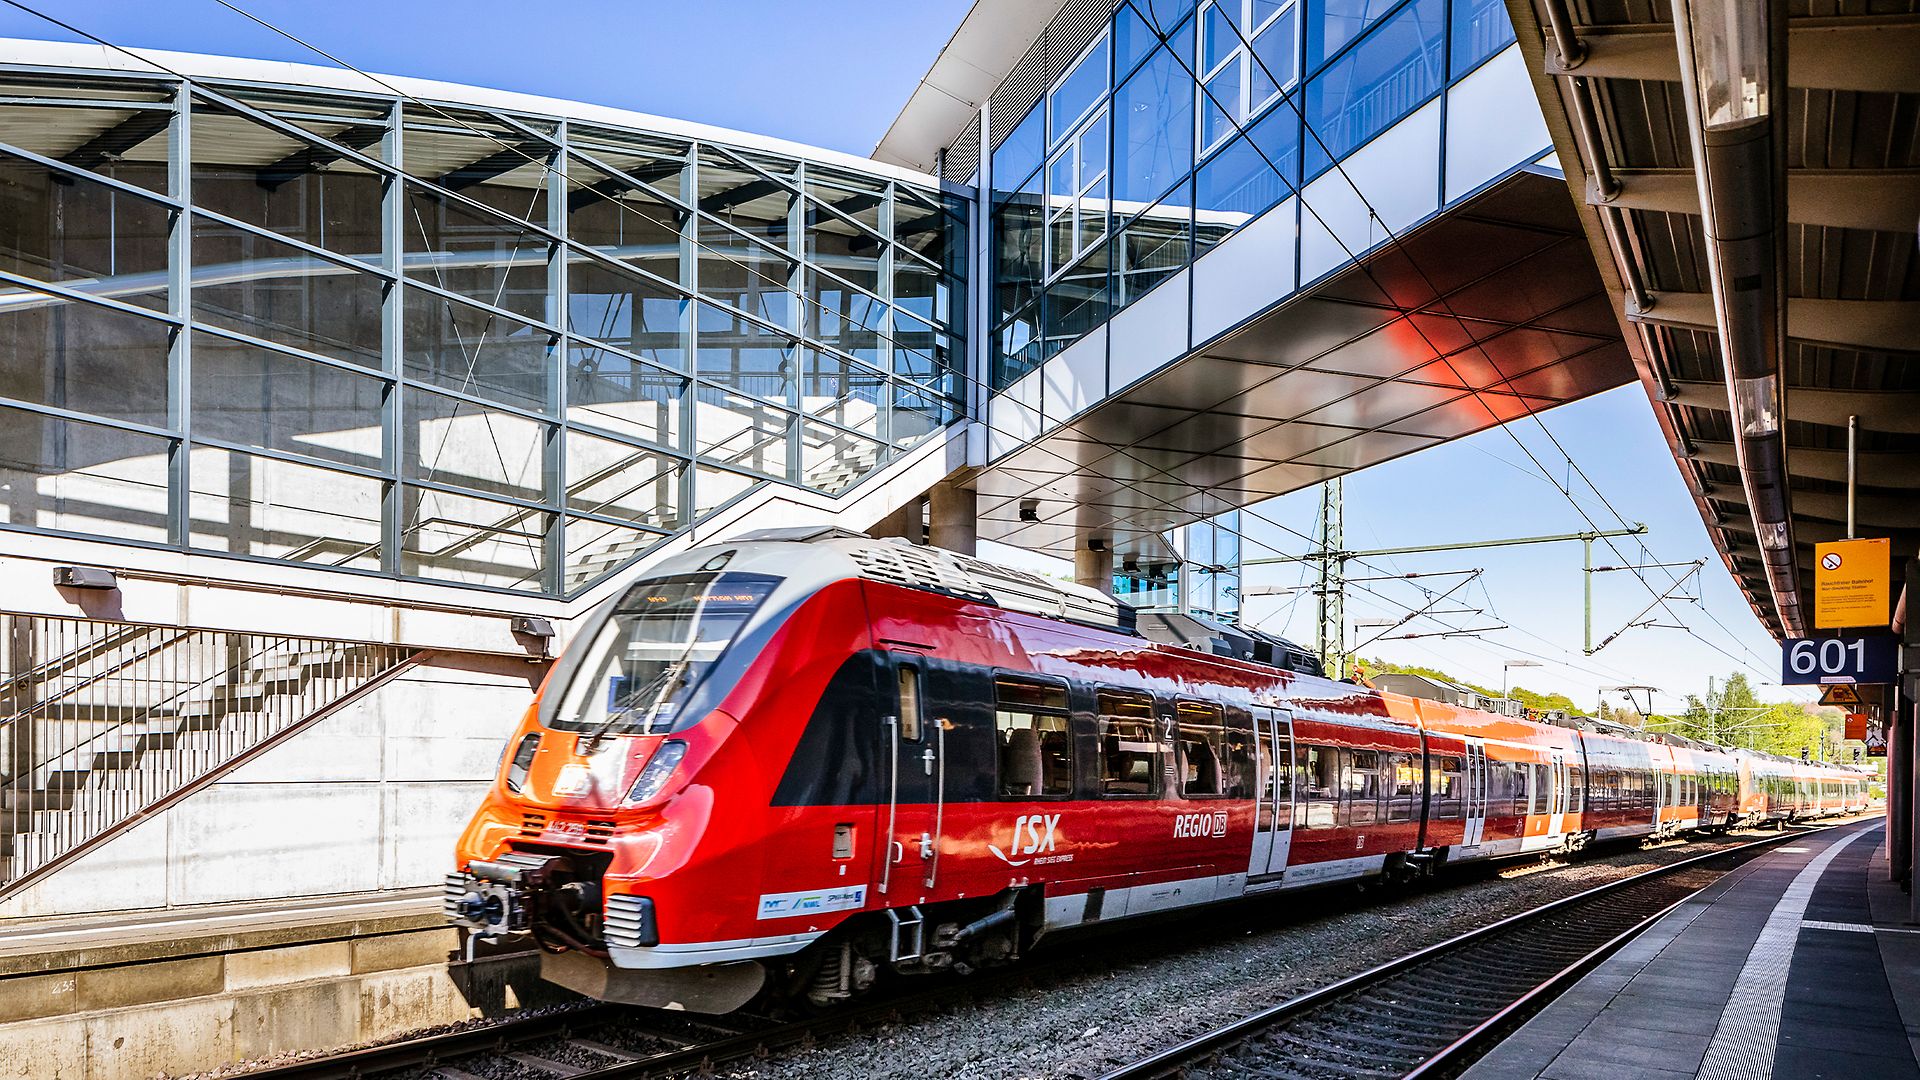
653,779
522,762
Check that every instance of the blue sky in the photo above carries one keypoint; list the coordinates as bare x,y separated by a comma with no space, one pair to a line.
834,75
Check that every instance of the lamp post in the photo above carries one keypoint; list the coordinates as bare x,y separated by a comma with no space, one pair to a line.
1505,668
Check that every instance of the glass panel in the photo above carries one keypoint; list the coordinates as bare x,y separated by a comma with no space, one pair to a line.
659,162
629,223
844,248
245,282
1480,29
297,188
596,548
845,318
744,356
1017,233
917,414
84,478
83,357
935,234
624,395
1083,86
1241,181
635,313
1017,347
856,197
1133,39
1398,67
246,394
1020,153
832,460
1218,34
250,505
1276,56
614,479
473,541
746,200
62,227
1164,13
923,292
457,442
839,390
476,255
1333,23
1150,249
920,350
475,351
1152,135
748,275
1220,106
741,432
486,160
714,488
128,144
1078,302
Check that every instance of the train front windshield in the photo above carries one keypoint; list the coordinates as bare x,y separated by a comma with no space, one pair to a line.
663,639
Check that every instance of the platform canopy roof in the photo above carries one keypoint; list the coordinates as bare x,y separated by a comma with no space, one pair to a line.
1774,227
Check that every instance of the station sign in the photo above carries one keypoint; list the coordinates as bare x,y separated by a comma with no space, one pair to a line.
1850,584
1877,738
1866,658
1856,726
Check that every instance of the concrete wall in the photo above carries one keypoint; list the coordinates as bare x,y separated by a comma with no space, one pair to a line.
162,1009
369,799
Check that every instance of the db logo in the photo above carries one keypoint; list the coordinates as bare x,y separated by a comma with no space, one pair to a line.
1192,825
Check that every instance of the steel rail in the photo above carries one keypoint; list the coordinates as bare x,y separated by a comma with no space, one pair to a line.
1176,1059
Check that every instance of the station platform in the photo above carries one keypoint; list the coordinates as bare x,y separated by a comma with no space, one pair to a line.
1799,965
128,996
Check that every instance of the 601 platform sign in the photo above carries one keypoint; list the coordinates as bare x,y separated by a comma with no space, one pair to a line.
1871,658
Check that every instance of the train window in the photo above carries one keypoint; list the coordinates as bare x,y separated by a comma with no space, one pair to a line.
663,637
1542,789
908,679
1360,787
1318,784
1129,746
1402,784
1214,758
1447,786
1036,745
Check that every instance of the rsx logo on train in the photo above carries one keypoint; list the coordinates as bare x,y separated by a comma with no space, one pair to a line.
1032,835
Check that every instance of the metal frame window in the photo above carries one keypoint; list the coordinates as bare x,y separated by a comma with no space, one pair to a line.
451,289
1249,56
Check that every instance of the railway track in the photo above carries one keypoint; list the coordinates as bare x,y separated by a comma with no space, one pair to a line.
1391,1021
1431,1013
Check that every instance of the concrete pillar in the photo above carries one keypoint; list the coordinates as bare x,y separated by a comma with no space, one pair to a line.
1093,565
953,518
906,521
1900,717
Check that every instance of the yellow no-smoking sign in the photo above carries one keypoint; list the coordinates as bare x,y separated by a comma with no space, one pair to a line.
1850,583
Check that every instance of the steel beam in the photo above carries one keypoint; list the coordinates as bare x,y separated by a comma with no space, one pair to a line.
1889,325
1822,54
1890,411
1877,200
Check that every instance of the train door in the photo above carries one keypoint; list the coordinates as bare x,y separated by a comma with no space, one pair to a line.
913,760
1273,820
1476,804
1557,794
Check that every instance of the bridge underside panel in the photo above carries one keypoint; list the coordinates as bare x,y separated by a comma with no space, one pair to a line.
1481,316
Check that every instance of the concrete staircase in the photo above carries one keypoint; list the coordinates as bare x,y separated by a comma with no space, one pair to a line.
132,719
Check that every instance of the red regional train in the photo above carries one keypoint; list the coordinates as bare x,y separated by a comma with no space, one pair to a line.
786,764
